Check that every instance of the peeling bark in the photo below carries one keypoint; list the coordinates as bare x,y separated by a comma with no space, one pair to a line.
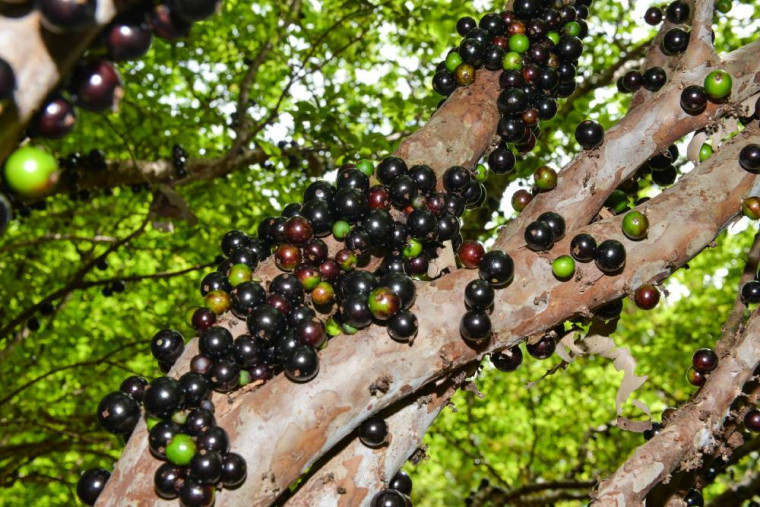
279,442
691,430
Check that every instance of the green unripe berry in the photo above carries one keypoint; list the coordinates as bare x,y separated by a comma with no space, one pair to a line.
349,329
572,28
718,84
30,171
179,417
453,60
341,229
239,273
366,166
563,267
705,152
180,450
554,37
617,201
332,327
512,61
481,173
723,6
217,301
545,178
245,378
413,248
519,43
751,208
635,225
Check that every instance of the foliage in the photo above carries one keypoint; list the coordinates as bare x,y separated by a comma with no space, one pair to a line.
341,80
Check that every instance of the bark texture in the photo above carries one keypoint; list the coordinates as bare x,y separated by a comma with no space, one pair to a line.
279,442
691,430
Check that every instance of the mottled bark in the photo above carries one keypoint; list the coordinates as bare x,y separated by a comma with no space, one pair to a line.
691,430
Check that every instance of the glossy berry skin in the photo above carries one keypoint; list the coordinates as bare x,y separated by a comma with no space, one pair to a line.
751,292
520,199
195,387
502,160
751,207
168,479
206,467
266,322
543,348
215,281
160,435
563,267
654,79
497,268
163,397
752,420
180,449
402,190
422,225
192,494
718,85
693,100
389,168
224,375
749,158
653,16
696,378
96,85
677,12
545,178
245,297
197,421
287,285
55,120
214,439
383,303
456,179
635,225
62,16
403,286
193,10
234,470
30,171
373,432
470,253
311,332
675,42
475,326
610,256
539,236
583,248
390,498
302,365
646,297
704,360
589,134
118,413
444,82
215,342
465,24
401,482
403,326
167,345
693,497
134,386
91,484
465,74
507,360
555,222
128,37
479,295
349,204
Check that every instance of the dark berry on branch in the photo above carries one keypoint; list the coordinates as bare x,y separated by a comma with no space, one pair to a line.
507,360
91,484
61,16
539,236
167,345
198,421
475,326
160,435
653,16
403,326
224,375
543,348
193,10
193,494
302,365
118,413
749,158
97,85
401,482
589,134
134,386
55,120
195,387
751,292
555,222
373,432
646,297
675,42
128,37
497,268
164,397
704,360
677,12
693,99
610,256
752,420
168,479
654,79
234,470
583,248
